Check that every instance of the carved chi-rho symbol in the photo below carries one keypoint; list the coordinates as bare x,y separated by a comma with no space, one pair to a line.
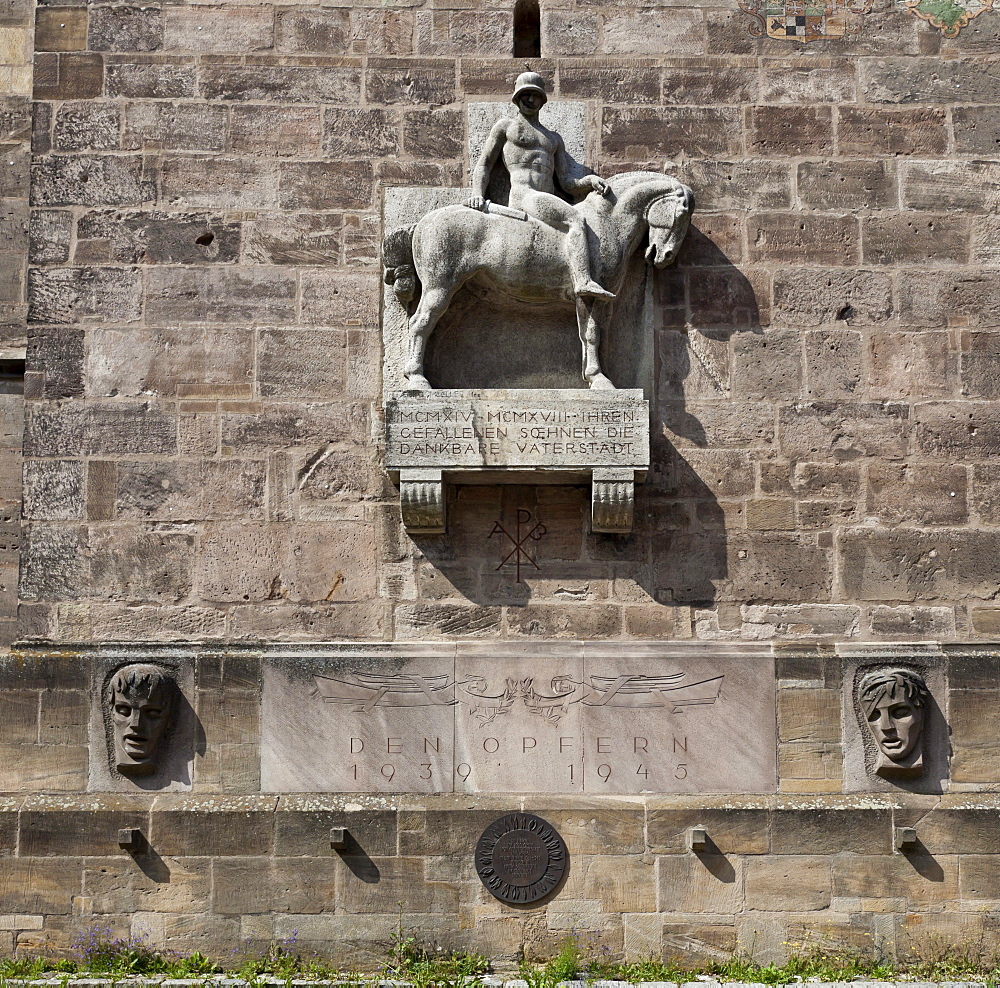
519,553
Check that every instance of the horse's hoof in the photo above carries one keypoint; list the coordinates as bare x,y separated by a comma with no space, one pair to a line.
602,383
593,290
417,382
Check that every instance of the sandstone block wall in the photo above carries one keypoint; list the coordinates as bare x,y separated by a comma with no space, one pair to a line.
231,874
203,429
203,458
226,868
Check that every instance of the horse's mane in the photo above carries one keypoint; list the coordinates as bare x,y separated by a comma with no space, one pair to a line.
621,185
626,180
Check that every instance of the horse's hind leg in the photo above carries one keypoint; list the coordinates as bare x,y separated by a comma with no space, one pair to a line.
433,303
590,338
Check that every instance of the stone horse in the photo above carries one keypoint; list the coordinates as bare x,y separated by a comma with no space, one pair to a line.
525,259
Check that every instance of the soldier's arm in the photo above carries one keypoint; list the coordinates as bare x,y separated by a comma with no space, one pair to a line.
491,151
572,177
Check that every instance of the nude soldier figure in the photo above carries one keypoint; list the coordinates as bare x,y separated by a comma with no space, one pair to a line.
534,155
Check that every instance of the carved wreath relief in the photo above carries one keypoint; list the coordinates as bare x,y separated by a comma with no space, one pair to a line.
140,706
893,705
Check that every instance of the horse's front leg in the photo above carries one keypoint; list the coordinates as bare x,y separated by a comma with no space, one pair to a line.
590,339
429,311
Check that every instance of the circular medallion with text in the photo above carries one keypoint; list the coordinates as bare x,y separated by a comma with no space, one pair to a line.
520,858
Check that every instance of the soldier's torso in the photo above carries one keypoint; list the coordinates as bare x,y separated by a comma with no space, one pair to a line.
530,154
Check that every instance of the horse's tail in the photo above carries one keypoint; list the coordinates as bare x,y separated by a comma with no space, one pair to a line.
397,262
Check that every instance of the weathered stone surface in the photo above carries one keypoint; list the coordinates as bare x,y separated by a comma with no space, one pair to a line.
295,239
89,830
241,563
813,298
337,81
50,232
53,490
220,826
816,238
218,29
845,185
185,363
61,29
915,238
155,237
918,493
155,78
731,830
116,886
326,185
417,81
30,885
243,295
914,80
125,28
817,430
708,882
285,131
912,565
642,134
325,32
898,132
176,127
797,882
68,76
99,428
86,127
781,130
81,295
81,180
268,885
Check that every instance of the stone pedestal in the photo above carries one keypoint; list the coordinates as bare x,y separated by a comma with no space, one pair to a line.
525,436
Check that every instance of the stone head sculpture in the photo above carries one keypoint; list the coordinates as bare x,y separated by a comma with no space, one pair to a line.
141,701
532,85
894,704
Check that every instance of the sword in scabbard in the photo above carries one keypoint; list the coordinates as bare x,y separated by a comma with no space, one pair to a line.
498,210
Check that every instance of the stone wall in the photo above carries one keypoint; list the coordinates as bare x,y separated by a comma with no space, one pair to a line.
213,874
203,440
204,460
224,862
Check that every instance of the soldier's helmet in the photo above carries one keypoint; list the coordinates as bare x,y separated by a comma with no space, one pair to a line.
529,82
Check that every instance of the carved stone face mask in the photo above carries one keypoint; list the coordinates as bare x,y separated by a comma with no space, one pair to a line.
894,702
142,706
896,727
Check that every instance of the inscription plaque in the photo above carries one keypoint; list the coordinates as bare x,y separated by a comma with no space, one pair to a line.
520,858
529,429
552,717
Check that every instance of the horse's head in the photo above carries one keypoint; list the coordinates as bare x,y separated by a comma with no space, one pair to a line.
668,217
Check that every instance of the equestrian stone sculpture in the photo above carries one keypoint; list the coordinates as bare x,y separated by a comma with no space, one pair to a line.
539,248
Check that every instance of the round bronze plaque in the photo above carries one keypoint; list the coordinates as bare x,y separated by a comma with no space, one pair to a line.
520,858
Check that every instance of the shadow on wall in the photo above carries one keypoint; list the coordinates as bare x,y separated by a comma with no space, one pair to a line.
683,318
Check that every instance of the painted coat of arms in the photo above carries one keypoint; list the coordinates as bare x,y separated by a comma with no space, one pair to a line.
948,16
807,20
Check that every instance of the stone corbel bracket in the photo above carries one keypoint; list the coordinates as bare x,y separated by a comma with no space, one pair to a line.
612,500
422,501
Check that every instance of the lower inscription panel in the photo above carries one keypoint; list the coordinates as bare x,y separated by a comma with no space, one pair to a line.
496,718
